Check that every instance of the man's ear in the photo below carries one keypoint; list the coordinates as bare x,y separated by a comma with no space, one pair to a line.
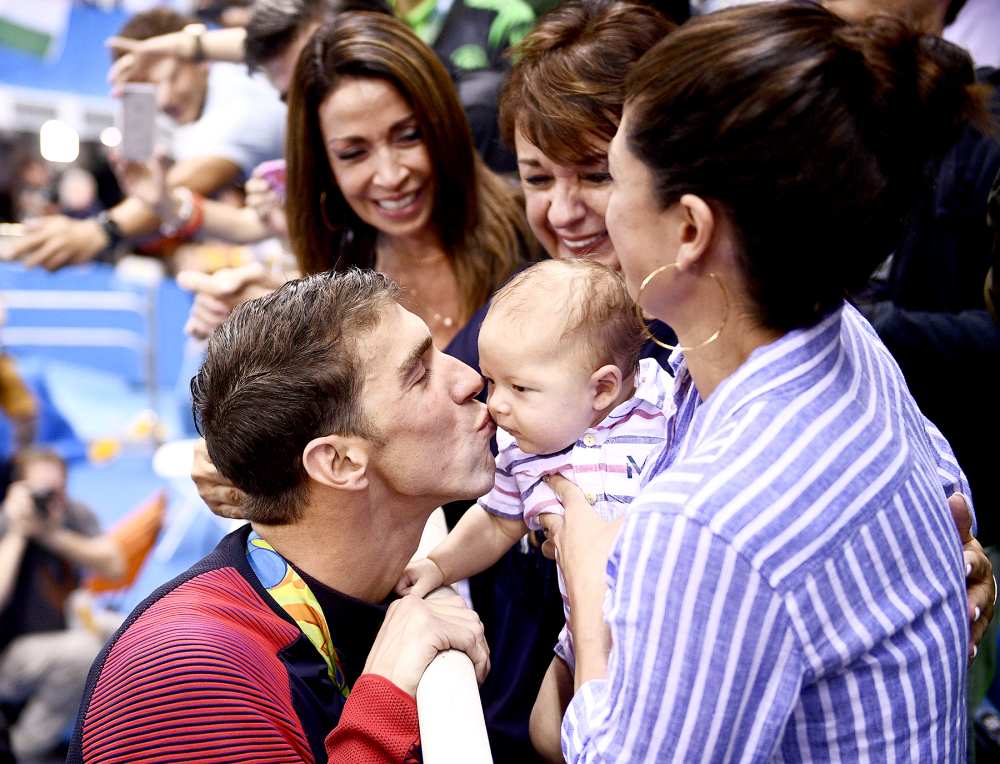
605,384
698,223
338,461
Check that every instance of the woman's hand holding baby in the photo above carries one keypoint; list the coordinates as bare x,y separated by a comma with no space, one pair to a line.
582,541
579,540
420,578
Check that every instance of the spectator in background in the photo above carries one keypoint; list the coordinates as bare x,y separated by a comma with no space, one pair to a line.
471,44
472,37
47,541
18,411
77,193
928,306
927,303
228,13
279,29
468,35
275,34
33,188
228,123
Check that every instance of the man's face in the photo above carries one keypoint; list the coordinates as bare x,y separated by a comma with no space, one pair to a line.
279,70
47,478
421,403
181,87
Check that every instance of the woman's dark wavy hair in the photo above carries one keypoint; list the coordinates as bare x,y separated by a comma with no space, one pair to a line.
478,217
811,134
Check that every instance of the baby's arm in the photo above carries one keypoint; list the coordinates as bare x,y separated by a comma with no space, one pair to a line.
477,542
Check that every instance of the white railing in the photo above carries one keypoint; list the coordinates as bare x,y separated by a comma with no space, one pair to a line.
452,727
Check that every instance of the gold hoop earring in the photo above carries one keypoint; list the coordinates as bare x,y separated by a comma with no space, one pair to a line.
684,349
322,212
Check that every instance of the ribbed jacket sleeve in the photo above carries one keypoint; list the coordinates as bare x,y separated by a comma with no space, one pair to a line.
378,725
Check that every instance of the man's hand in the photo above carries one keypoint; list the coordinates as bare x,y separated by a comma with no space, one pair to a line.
56,240
980,586
139,55
420,578
147,182
221,496
415,630
218,293
19,507
262,199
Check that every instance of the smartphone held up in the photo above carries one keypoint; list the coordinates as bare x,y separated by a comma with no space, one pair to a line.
138,121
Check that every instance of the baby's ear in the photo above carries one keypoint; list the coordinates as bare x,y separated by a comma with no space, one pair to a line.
605,384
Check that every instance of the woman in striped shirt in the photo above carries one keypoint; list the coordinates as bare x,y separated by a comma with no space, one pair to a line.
788,585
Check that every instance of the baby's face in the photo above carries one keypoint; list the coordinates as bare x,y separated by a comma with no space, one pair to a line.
538,388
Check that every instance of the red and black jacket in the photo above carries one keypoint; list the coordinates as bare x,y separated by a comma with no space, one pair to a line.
210,669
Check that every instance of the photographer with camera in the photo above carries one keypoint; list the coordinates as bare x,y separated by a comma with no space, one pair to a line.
46,542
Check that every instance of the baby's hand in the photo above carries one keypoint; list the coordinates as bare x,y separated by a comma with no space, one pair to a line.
420,578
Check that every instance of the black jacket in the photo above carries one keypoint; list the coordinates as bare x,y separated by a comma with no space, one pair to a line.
932,315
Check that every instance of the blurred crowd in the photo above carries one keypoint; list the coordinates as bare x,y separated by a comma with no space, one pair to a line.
452,145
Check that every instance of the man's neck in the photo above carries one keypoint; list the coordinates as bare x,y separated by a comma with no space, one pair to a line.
356,546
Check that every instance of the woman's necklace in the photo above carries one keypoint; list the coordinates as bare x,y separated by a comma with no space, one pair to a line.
408,279
427,312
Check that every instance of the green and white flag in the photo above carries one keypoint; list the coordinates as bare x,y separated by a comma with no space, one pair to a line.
34,26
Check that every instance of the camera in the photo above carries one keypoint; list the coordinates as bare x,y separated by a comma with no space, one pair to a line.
43,502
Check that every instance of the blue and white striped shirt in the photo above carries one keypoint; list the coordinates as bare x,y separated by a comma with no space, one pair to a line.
789,586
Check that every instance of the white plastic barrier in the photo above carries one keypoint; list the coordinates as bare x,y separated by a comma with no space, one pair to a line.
452,727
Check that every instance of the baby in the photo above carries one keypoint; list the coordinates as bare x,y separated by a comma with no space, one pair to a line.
559,351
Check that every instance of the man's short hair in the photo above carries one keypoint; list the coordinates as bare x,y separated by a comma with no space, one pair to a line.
954,8
152,23
35,455
274,24
282,370
593,301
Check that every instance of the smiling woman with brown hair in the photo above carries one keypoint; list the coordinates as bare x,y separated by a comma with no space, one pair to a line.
382,173
560,109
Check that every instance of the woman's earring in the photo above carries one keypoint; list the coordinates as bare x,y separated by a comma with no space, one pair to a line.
645,328
322,212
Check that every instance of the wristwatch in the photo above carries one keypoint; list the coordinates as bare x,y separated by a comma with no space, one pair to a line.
196,31
112,230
